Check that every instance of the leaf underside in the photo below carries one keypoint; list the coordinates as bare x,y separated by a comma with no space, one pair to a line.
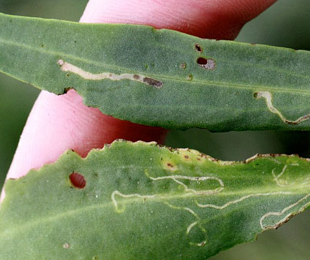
142,201
161,77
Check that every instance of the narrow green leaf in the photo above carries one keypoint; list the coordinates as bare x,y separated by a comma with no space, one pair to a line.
161,77
142,201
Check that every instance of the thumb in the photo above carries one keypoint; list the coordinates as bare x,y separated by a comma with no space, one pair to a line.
213,19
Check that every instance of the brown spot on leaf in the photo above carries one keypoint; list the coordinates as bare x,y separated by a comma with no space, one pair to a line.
183,65
153,82
202,155
135,76
288,218
189,77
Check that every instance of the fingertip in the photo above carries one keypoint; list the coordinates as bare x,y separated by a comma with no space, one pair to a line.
58,123
218,19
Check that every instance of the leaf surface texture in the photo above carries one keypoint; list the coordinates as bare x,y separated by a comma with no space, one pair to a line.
142,201
161,77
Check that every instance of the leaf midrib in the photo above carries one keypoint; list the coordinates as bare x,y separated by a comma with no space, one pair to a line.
166,197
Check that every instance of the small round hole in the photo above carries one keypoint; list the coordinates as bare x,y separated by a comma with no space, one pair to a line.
77,180
198,47
208,64
202,61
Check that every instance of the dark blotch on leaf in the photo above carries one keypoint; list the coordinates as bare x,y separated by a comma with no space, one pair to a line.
198,47
202,61
77,180
153,82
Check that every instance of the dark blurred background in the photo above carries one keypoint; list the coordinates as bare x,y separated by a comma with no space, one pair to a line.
287,23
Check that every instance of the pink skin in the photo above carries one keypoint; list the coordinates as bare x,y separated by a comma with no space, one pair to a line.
58,123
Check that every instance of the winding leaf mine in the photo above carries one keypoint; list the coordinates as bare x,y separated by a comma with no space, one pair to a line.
161,77
142,201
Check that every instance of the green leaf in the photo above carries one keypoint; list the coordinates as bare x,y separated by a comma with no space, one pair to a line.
142,201
161,77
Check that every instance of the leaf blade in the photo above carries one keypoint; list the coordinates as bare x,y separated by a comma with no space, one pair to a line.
144,201
154,77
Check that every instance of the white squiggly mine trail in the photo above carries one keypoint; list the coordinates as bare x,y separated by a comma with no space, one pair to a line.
177,178
241,199
185,182
280,213
68,67
188,192
277,177
135,195
268,97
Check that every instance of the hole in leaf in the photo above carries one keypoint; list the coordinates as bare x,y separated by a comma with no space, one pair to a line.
202,61
77,180
208,64
198,47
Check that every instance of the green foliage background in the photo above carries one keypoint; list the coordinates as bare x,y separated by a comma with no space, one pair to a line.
284,24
